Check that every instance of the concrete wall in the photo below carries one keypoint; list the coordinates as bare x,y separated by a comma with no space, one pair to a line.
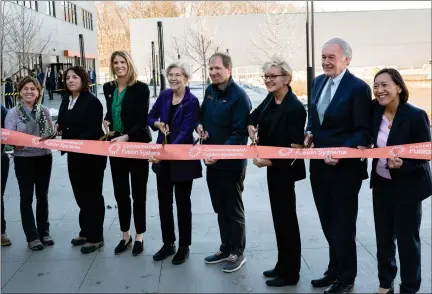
391,37
62,34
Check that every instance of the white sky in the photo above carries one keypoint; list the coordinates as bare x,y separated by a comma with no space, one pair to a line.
368,5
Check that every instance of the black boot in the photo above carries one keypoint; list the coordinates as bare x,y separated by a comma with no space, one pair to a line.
279,282
328,279
270,273
164,252
181,255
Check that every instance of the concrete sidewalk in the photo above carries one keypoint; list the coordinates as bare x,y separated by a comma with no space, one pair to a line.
62,268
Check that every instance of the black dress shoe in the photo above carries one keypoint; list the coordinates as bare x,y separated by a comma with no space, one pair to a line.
279,282
181,255
338,287
327,280
122,245
78,241
270,273
164,252
138,248
92,248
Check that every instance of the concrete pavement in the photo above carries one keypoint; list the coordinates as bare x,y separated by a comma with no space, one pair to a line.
62,268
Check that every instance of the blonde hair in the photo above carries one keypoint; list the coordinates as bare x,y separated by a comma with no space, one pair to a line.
132,73
184,67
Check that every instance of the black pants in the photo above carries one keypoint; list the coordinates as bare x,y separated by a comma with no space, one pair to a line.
183,192
138,170
86,173
34,173
336,199
401,222
4,177
283,206
226,188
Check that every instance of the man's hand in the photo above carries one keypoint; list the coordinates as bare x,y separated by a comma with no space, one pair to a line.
308,140
123,138
203,134
395,162
210,161
330,160
152,159
252,133
260,162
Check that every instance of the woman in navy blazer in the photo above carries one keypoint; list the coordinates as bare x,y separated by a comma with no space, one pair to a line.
398,185
175,114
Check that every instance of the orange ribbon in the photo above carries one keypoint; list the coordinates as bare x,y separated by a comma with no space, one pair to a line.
188,152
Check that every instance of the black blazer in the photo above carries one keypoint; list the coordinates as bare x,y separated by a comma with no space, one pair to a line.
346,121
410,125
135,108
84,120
286,127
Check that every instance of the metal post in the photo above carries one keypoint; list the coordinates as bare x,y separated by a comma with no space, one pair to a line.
82,52
161,56
157,71
308,67
153,69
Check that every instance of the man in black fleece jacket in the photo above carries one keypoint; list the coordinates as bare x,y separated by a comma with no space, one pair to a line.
223,121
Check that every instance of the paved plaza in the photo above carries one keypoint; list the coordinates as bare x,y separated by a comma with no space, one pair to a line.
62,268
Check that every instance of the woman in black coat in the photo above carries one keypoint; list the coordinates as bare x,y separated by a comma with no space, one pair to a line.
127,101
398,185
80,117
281,118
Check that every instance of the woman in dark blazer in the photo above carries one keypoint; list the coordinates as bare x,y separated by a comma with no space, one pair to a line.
80,117
398,185
175,114
127,101
279,121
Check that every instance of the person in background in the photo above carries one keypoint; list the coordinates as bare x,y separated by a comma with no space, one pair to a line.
92,76
223,120
80,118
50,83
281,118
175,114
127,101
398,185
9,89
339,116
5,241
32,165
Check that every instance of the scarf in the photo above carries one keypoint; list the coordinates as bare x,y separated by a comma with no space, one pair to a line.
37,116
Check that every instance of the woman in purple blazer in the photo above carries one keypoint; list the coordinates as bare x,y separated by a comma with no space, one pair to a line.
175,114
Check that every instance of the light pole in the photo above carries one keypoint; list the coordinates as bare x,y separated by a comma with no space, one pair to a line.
310,50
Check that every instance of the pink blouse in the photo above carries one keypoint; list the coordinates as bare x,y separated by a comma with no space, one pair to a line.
383,134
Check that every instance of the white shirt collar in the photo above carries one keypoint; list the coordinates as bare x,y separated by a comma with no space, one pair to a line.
338,78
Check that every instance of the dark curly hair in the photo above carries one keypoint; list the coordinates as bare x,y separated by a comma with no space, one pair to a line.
398,80
82,73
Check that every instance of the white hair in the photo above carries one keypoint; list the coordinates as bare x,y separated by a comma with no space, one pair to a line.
185,68
346,48
278,61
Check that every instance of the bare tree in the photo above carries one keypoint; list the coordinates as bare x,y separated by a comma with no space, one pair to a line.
5,30
26,40
276,36
201,44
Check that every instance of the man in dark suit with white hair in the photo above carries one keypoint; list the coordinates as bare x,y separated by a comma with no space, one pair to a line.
339,116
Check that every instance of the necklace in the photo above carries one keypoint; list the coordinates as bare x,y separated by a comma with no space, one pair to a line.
390,120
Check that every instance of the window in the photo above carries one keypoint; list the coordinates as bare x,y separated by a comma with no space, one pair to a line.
69,12
51,8
87,19
29,4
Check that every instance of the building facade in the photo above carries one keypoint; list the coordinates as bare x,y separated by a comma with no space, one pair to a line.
57,42
400,38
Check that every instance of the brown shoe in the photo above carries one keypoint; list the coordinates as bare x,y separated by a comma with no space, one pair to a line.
5,241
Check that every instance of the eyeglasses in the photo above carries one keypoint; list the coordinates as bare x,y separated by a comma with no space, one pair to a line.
272,77
172,76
